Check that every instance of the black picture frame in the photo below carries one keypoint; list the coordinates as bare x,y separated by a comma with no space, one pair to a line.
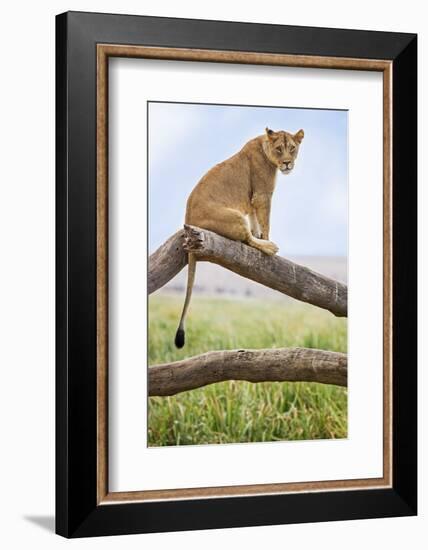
77,511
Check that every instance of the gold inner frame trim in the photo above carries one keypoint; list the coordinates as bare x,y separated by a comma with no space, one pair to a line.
104,51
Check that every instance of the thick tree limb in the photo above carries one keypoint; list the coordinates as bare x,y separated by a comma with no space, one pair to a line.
168,260
275,272
264,365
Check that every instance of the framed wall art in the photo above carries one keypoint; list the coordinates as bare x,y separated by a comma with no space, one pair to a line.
220,186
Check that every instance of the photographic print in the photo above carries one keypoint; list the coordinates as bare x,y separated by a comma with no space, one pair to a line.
258,184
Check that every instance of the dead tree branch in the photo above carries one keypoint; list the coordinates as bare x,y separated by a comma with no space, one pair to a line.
275,272
168,260
264,365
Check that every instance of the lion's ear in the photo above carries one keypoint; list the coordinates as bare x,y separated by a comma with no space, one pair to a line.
299,136
270,133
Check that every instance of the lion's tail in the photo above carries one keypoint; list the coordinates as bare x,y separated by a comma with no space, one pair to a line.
180,334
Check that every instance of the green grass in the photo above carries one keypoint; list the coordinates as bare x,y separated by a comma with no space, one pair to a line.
235,412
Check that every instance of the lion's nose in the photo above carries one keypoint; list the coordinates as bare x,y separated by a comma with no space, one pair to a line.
287,164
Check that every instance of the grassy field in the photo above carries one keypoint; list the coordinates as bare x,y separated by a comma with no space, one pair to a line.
234,412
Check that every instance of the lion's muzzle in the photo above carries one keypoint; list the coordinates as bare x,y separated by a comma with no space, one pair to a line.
286,167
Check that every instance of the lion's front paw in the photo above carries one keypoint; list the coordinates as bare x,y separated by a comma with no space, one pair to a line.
270,248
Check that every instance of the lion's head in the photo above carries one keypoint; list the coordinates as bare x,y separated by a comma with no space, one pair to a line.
281,148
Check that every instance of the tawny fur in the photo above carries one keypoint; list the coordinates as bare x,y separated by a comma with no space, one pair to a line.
234,197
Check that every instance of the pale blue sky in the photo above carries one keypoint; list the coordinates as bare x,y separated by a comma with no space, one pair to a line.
309,207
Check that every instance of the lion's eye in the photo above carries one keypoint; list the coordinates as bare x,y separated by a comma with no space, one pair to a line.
279,149
292,149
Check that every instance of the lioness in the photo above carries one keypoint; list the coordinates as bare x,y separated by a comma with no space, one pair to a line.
233,198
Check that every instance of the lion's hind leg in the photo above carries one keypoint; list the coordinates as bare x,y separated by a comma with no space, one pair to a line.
234,225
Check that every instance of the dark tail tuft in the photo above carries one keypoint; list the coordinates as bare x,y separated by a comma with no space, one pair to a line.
179,338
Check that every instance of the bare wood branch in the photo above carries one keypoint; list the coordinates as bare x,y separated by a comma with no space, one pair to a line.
264,365
168,260
275,272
